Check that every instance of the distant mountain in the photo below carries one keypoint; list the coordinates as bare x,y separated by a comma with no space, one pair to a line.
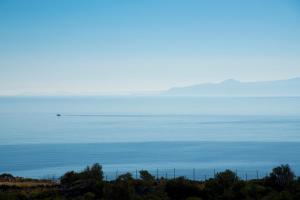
231,87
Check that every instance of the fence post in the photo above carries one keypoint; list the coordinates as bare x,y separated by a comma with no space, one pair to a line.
194,174
257,174
174,173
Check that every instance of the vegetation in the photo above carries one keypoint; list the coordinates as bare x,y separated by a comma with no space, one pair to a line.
280,184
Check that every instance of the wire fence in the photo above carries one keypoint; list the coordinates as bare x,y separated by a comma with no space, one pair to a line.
191,174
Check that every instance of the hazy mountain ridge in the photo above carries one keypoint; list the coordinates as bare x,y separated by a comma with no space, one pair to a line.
231,87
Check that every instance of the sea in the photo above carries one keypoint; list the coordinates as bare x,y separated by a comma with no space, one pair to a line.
170,136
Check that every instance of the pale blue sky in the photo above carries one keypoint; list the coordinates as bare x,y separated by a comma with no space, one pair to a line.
81,47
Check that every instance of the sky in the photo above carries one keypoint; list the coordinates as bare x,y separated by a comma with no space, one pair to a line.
117,46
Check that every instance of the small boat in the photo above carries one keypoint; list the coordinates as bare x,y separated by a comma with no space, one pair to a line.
58,115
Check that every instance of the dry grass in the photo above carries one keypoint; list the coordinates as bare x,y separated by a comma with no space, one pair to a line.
27,183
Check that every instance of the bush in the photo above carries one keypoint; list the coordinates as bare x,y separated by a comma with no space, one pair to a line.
226,178
281,177
88,185
122,188
181,188
146,176
89,180
6,176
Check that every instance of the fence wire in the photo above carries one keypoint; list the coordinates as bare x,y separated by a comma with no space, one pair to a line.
191,174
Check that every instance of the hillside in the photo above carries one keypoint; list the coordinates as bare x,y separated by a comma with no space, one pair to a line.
231,87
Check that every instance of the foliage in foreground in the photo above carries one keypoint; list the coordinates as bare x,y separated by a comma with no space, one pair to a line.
280,184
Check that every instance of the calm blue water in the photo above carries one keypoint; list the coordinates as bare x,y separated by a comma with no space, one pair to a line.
128,133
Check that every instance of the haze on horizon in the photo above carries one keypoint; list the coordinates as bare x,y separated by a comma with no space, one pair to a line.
85,47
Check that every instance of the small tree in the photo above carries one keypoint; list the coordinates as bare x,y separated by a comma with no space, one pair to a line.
89,180
181,188
6,176
122,188
127,177
281,177
226,178
95,172
146,176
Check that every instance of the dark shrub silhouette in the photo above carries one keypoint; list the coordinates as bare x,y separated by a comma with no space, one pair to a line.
122,188
182,188
146,176
281,177
145,185
6,176
89,180
88,185
226,178
223,185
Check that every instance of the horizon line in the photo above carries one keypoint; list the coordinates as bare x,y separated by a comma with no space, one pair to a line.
143,92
